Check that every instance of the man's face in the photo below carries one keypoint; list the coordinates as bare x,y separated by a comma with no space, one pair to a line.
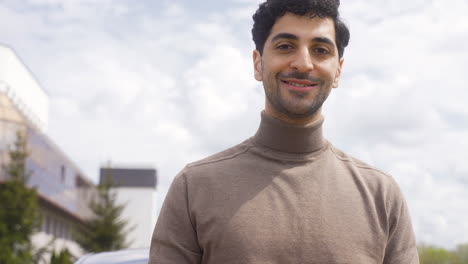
299,66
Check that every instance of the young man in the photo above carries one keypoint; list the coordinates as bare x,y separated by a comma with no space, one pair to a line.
286,195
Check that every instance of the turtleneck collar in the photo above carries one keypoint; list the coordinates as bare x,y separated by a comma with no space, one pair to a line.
281,136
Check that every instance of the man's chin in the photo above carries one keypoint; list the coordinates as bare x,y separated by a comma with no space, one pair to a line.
301,113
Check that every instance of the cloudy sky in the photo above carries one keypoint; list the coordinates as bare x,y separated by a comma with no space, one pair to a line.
162,83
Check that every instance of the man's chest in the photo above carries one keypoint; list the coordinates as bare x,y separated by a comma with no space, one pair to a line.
286,223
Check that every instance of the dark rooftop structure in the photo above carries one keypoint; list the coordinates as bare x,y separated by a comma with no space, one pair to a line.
129,177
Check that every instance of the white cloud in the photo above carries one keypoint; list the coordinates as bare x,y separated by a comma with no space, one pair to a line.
400,106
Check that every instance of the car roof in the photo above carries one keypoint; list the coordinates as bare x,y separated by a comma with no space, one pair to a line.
127,256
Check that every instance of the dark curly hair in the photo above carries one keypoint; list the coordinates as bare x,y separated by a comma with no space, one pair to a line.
269,11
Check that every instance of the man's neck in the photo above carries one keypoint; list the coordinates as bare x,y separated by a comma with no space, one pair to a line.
276,134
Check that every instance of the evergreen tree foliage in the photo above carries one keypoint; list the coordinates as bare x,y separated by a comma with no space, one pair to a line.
19,215
16,168
106,231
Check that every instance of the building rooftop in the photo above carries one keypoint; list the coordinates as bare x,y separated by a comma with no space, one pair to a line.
20,84
129,177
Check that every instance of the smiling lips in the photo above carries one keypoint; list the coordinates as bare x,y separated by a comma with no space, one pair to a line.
301,85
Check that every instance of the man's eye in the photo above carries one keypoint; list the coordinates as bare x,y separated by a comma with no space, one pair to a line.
322,51
284,47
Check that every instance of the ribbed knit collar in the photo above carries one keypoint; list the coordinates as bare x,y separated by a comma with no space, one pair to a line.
281,136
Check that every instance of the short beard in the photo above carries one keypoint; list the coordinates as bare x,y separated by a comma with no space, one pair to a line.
276,102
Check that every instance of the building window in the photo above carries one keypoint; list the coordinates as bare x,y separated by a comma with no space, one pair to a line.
61,230
51,226
47,224
62,173
59,227
66,231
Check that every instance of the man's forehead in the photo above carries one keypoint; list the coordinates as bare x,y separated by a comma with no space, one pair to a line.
303,26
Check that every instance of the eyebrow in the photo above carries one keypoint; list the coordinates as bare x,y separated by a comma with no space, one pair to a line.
294,37
284,36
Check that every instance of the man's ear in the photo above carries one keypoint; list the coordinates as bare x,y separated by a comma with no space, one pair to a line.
336,81
257,61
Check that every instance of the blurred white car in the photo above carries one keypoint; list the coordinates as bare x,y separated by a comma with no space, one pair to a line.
126,256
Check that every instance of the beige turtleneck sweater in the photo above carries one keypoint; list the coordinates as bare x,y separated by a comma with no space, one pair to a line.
285,195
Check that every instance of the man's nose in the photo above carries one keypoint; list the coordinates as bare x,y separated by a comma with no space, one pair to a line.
302,61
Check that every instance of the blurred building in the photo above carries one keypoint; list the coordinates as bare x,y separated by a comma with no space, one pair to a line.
135,188
64,191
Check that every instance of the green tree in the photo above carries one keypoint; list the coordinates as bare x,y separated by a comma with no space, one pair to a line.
63,257
462,253
434,255
19,215
106,230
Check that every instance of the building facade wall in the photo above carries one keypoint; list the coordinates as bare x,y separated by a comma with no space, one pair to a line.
64,192
52,173
139,211
56,177
58,229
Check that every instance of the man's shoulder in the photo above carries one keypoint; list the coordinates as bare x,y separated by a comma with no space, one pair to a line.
375,180
227,155
359,165
353,161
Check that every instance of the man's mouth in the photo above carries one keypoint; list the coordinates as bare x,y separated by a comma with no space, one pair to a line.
300,85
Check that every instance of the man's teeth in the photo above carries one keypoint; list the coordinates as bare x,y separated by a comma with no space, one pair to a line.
299,85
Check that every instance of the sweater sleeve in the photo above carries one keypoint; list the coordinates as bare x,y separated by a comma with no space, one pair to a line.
401,244
174,238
